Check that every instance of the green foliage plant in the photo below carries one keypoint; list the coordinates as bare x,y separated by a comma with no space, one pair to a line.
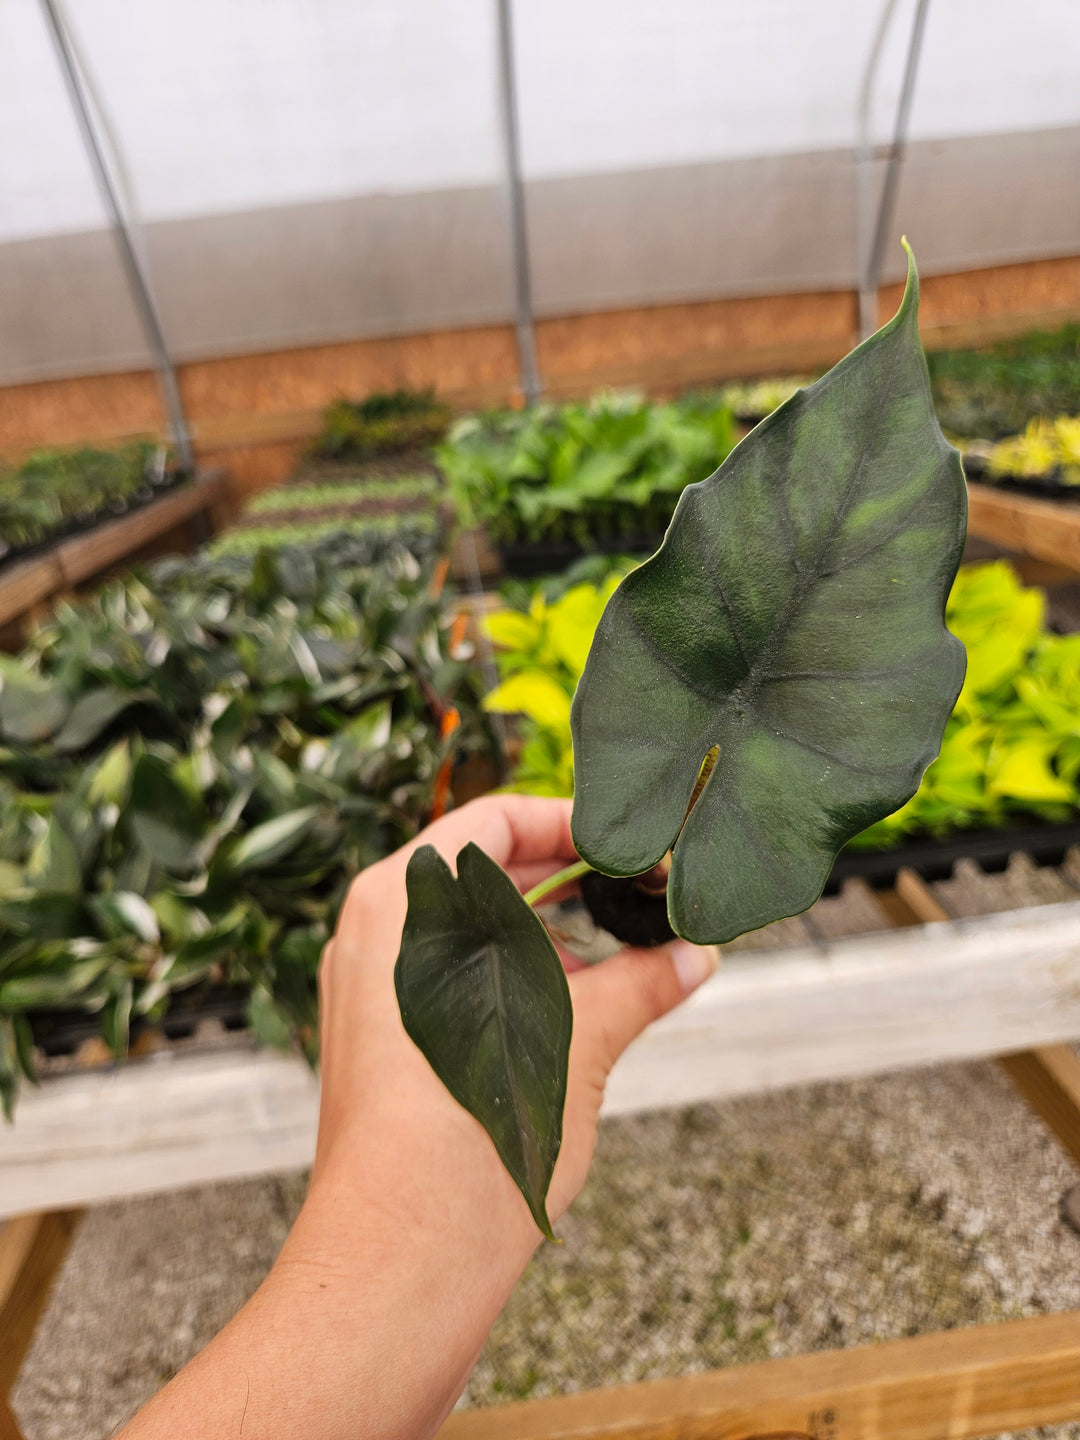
1011,749
194,764
1045,449
996,390
52,489
774,680
609,468
382,424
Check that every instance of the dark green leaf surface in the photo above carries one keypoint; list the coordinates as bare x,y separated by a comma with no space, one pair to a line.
793,618
483,995
166,820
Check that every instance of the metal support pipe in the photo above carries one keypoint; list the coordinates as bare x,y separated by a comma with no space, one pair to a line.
134,271
515,191
871,271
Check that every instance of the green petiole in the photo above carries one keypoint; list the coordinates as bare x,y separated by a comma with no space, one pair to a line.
561,877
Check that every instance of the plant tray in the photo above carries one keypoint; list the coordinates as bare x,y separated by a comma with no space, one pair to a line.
61,1032
528,559
1049,487
83,524
934,859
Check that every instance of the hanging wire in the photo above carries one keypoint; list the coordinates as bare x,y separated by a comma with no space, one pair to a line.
131,256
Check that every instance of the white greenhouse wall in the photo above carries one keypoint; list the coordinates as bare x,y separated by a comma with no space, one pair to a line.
321,169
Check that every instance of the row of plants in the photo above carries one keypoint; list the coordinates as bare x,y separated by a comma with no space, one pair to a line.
195,763
1011,748
608,469
385,423
1044,457
996,390
55,492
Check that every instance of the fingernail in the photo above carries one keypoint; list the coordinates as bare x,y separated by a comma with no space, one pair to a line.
693,963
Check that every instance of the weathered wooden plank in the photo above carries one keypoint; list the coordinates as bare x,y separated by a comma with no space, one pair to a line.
1049,1080
24,585
961,1384
918,996
158,1124
32,1248
84,556
1039,528
900,998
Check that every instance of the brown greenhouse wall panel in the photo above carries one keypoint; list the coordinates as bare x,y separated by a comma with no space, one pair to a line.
256,412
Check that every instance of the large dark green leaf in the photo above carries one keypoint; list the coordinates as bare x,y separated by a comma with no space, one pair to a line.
31,708
483,994
167,820
92,713
794,620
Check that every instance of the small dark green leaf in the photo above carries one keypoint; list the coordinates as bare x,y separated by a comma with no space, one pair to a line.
92,713
24,1047
167,821
31,708
54,862
125,913
273,839
116,1018
483,995
792,621
9,1068
53,988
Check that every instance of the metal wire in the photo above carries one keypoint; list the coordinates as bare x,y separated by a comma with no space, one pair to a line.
134,270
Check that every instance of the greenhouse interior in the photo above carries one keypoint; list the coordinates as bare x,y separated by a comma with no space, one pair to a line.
540,720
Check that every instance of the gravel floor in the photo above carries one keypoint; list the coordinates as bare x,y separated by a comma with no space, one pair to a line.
803,1220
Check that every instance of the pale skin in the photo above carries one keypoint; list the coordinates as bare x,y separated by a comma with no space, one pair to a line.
412,1235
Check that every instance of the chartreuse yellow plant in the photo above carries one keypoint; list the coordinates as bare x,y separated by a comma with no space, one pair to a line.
1011,748
791,626
1046,447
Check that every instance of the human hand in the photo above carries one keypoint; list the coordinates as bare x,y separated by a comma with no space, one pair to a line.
372,1072
412,1235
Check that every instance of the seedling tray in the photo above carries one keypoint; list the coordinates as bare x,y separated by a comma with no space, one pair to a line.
934,859
1048,487
82,524
528,559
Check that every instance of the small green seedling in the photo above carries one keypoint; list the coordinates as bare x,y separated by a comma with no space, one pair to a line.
787,642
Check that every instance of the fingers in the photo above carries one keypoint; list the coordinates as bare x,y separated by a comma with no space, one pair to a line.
614,1001
518,828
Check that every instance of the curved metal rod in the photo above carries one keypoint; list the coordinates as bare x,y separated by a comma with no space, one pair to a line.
136,276
870,272
519,239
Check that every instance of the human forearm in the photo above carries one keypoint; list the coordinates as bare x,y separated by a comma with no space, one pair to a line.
371,1319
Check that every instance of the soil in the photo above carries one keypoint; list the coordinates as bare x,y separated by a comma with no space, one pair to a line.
626,911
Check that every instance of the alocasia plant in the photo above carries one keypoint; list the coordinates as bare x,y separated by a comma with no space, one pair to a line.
788,643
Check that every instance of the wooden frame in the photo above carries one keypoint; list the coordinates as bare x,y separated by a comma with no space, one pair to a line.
72,562
841,1008
1043,529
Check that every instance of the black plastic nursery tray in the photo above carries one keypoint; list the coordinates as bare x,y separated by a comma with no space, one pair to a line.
61,1032
934,859
1049,487
528,559
154,489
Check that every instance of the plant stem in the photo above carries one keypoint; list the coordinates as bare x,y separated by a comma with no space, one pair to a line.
561,877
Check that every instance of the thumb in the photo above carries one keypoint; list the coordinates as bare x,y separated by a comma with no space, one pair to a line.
614,1001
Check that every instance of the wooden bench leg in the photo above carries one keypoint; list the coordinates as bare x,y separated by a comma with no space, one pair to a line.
1049,1080
9,1426
32,1249
1048,1077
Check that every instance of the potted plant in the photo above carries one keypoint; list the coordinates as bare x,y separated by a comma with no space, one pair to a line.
774,680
